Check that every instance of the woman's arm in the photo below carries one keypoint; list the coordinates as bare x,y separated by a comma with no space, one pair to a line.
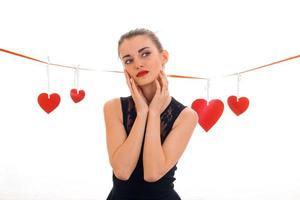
159,159
123,152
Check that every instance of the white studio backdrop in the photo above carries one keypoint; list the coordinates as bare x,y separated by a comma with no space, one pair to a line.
62,155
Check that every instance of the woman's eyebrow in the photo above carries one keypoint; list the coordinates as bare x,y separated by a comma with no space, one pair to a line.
138,51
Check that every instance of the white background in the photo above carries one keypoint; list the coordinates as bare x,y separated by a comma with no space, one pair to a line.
62,155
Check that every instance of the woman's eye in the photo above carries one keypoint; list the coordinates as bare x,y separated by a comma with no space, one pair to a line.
130,60
127,61
145,53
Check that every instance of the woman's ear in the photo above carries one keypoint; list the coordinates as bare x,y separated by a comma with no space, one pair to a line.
165,56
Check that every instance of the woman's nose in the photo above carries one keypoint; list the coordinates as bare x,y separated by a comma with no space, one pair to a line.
138,64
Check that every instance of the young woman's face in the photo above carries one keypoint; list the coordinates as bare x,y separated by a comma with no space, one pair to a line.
140,53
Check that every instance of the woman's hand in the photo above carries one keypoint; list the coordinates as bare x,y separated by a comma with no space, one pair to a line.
161,94
137,95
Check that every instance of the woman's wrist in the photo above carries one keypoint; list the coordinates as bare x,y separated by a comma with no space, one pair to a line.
153,112
143,113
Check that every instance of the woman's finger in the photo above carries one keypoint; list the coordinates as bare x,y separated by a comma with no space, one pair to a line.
164,80
128,82
136,89
158,88
165,91
159,79
140,90
133,86
161,83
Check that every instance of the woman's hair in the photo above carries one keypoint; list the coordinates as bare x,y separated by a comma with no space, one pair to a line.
141,31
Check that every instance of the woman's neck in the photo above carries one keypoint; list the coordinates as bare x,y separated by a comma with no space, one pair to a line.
149,92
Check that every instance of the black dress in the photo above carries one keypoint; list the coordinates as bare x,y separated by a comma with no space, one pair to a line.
136,188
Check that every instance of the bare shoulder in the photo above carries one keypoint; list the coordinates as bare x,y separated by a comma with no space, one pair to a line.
186,115
115,131
113,106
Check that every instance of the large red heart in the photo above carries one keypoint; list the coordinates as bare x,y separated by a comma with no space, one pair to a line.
208,114
77,96
238,106
48,104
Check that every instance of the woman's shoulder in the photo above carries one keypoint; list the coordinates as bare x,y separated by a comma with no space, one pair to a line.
186,115
189,112
113,106
116,103
116,100
186,110
112,102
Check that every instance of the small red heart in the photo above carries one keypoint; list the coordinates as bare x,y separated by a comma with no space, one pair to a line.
76,97
238,106
208,114
48,104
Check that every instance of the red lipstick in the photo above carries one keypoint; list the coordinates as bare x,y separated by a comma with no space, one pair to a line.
142,73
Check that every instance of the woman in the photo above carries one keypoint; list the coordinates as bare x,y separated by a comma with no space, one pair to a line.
148,131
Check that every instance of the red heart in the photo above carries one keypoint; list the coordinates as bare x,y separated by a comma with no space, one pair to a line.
208,114
77,96
238,106
48,104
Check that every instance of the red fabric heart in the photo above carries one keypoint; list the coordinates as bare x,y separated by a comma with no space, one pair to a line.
48,104
208,114
238,106
76,97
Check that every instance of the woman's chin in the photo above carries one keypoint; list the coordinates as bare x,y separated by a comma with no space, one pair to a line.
145,82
